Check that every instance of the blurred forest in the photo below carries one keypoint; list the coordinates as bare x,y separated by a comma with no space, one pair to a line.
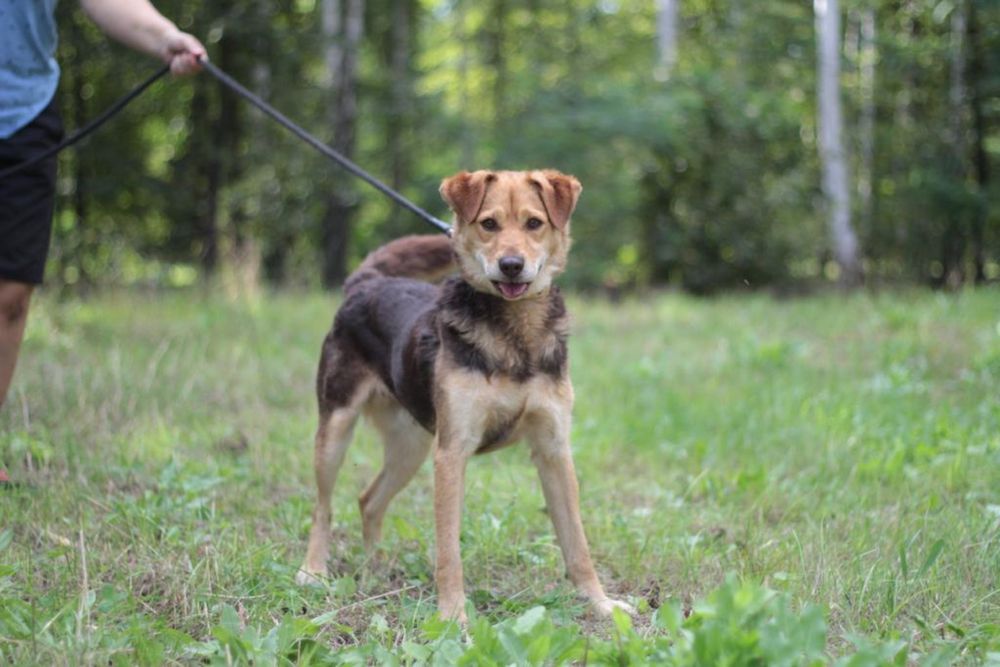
692,126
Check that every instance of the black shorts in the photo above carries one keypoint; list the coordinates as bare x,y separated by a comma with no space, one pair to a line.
27,198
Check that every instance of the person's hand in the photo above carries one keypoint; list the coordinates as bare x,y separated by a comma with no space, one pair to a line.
182,51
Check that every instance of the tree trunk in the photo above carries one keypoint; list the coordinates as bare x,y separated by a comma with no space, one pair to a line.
976,73
401,97
498,61
468,135
209,180
342,24
658,221
867,57
831,143
574,63
953,242
229,131
666,37
79,177
272,244
903,116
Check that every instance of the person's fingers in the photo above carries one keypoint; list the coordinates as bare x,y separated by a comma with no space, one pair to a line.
191,44
183,51
184,64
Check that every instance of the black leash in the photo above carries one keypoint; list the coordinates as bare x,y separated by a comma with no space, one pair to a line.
283,120
353,168
89,127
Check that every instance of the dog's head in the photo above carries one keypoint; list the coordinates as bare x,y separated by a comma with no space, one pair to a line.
511,231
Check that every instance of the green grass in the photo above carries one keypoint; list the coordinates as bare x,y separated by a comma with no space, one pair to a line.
838,459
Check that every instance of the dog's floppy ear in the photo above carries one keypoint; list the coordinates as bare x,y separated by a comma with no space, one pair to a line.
559,193
465,192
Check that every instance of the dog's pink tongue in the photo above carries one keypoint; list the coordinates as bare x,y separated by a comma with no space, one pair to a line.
513,290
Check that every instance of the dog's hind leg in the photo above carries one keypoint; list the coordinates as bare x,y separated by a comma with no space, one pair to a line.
332,439
405,445
343,389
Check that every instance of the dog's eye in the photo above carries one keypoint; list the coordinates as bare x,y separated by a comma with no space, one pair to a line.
489,224
533,224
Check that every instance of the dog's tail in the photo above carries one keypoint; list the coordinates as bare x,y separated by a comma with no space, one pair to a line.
425,257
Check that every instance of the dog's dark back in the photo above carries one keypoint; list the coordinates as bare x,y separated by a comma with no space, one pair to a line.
424,257
386,324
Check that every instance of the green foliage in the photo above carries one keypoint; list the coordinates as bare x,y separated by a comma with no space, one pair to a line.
738,624
708,179
744,624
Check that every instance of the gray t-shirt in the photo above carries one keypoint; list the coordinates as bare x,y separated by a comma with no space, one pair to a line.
29,73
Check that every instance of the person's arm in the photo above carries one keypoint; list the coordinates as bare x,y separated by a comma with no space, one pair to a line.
137,24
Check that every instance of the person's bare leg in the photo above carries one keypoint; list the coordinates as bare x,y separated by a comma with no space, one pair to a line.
14,300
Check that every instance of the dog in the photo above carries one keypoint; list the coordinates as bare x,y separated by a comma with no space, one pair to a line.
461,368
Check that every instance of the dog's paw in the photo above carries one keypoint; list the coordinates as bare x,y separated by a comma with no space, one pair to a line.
307,578
454,612
605,607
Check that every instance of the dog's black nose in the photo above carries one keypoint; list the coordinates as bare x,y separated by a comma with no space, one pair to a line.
511,266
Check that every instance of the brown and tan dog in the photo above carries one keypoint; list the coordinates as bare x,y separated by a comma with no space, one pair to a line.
463,368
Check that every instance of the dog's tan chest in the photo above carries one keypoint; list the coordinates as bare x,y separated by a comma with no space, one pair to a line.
484,413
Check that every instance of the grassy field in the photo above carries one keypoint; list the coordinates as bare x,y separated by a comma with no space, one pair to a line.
807,480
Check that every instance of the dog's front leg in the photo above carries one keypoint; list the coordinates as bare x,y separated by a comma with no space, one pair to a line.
449,490
550,451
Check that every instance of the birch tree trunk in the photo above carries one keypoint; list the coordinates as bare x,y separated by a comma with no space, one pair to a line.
342,26
831,143
666,37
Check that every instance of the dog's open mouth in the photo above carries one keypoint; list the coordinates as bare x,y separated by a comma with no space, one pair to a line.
511,290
